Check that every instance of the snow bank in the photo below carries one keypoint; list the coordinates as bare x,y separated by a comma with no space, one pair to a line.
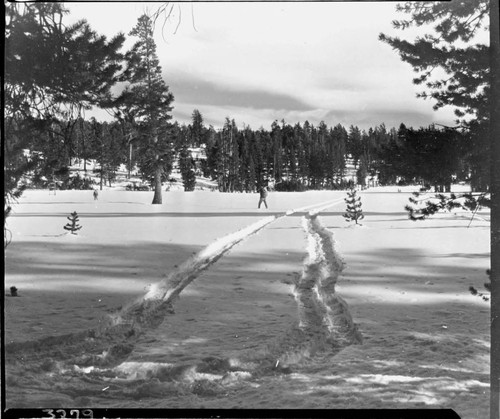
405,285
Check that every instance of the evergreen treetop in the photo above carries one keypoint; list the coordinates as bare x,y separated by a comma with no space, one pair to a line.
147,97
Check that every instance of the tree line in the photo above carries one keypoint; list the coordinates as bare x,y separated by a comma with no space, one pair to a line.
292,157
304,156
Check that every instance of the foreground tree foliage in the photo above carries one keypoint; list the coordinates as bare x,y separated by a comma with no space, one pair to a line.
422,206
52,69
448,46
452,67
52,73
471,83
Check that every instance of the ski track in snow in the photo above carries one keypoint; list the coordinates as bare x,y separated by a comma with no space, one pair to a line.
324,320
100,354
323,314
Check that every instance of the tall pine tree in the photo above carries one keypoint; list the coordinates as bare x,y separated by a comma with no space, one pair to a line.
147,102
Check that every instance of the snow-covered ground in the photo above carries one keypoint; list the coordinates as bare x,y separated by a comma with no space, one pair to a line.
207,302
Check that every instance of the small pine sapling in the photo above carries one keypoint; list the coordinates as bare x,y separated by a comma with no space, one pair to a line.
353,211
73,223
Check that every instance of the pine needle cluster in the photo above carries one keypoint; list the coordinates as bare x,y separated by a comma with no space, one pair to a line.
487,285
422,207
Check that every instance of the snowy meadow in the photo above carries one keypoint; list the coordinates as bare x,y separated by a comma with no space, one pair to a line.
286,307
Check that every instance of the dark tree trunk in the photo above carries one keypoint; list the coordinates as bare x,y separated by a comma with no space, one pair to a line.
157,199
495,208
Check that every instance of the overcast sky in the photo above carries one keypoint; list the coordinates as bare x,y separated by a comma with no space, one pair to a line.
257,62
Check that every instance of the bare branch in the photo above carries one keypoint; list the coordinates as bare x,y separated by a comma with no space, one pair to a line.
192,17
180,18
167,11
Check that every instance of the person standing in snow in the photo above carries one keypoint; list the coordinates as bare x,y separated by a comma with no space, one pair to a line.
263,195
96,194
